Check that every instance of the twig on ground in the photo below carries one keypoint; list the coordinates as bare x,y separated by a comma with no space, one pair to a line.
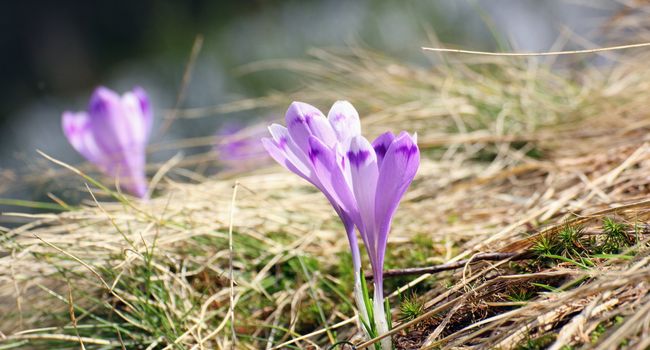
453,265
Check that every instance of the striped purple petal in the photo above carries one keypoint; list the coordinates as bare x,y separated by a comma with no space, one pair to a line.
331,176
396,173
304,120
344,120
364,172
381,144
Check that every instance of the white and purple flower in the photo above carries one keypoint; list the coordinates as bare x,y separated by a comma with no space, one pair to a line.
113,135
364,182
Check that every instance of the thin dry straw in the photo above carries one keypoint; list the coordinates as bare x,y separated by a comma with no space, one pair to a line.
230,268
187,76
525,54
451,265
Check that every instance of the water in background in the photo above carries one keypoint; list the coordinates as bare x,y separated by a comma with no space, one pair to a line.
55,53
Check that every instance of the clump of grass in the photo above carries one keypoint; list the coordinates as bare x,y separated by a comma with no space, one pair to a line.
521,295
410,307
616,237
569,243
544,245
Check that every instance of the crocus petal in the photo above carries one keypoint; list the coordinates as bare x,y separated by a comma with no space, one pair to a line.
131,174
280,156
139,126
381,144
145,108
340,151
145,104
304,120
284,151
331,177
106,114
344,120
364,172
396,172
77,130
119,131
293,153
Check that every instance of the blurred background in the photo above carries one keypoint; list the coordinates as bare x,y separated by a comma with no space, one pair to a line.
55,53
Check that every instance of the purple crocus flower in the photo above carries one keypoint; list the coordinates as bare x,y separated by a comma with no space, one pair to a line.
290,147
113,135
364,182
238,145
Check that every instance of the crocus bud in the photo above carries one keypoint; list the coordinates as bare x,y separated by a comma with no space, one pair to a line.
113,135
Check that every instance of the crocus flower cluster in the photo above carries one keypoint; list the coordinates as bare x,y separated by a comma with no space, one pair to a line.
364,182
113,134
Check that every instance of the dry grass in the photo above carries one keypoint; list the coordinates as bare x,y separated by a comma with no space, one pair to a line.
517,157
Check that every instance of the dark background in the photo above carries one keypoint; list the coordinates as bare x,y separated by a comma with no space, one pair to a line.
60,47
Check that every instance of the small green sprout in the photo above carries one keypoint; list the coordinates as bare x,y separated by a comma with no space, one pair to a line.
536,343
410,308
616,237
543,245
570,241
521,295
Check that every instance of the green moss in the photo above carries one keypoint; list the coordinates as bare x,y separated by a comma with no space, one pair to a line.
544,245
597,333
452,218
616,237
410,307
537,343
521,294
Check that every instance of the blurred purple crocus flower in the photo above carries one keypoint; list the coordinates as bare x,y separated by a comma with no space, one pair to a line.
113,134
364,182
238,145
